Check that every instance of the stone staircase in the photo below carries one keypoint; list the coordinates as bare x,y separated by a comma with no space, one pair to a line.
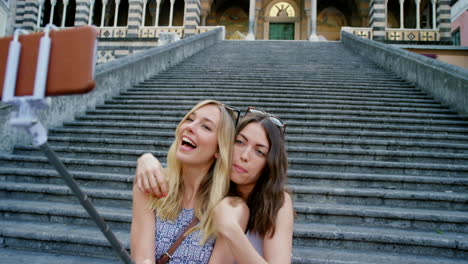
378,168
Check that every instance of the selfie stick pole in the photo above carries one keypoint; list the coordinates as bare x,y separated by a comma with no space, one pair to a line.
26,118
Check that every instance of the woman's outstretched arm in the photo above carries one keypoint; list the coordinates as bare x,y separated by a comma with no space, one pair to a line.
276,249
142,237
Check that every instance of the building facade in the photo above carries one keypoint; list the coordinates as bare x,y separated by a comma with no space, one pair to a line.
459,19
130,25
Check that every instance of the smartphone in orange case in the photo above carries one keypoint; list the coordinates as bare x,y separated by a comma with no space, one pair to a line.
71,62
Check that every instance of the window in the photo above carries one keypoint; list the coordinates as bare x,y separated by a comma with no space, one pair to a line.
456,37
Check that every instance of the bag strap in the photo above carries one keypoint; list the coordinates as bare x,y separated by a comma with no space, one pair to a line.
168,255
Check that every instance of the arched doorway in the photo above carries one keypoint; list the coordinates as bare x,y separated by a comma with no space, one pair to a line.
282,21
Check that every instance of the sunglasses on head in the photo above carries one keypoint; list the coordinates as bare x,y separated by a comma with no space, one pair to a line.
235,113
275,120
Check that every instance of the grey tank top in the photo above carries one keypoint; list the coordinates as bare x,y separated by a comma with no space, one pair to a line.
189,251
256,241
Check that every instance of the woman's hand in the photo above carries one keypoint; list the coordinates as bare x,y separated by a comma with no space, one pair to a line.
150,176
230,214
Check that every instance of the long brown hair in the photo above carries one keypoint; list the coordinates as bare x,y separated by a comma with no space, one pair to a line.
267,197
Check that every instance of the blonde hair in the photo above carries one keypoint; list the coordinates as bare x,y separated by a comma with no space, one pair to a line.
214,185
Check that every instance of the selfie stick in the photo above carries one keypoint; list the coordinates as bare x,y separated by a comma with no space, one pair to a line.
26,118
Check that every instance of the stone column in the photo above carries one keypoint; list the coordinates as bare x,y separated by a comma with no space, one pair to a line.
116,12
308,22
103,13
434,14
313,21
251,34
377,19
135,15
402,14
84,12
204,15
171,12
418,15
53,3
40,12
158,7
444,19
64,14
192,17
143,16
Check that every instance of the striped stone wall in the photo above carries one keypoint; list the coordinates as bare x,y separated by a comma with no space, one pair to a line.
377,18
83,8
19,16
192,17
135,13
30,15
444,20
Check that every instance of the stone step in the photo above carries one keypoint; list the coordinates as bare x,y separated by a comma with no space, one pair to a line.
59,238
272,86
62,194
41,162
351,126
410,134
84,179
380,216
10,256
297,122
263,90
277,109
90,153
76,130
380,197
378,181
143,131
293,152
226,77
272,69
284,115
321,255
281,99
432,157
122,132
158,143
264,93
387,167
186,104
320,86
148,145
295,71
253,100
375,145
61,213
448,245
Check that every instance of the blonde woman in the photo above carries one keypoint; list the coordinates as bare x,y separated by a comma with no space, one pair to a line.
198,167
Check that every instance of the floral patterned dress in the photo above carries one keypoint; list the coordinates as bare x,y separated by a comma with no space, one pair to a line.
189,251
